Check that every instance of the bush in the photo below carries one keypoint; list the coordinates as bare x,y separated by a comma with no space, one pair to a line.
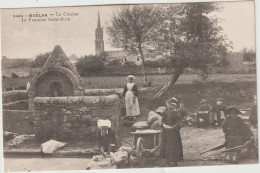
121,70
20,63
157,63
40,60
115,62
90,65
249,55
14,75
130,64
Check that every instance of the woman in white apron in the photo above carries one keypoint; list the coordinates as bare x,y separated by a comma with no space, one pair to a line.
131,98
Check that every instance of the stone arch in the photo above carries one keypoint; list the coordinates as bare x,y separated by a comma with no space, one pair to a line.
56,89
68,80
44,85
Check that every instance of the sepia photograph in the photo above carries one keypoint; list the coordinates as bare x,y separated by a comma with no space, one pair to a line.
123,86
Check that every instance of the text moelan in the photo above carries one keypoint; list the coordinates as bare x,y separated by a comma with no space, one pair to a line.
38,15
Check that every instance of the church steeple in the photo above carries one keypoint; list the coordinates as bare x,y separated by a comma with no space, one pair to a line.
99,42
98,22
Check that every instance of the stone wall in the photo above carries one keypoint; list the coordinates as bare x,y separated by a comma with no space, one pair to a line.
16,105
11,96
45,82
21,72
18,121
103,92
64,118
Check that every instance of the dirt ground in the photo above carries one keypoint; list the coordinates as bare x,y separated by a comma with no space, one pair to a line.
194,140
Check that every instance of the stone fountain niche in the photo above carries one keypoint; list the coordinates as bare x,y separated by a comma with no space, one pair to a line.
61,108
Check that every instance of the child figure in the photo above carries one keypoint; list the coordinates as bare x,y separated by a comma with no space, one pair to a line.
183,112
204,110
219,111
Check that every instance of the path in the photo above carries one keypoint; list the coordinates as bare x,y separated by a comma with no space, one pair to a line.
45,164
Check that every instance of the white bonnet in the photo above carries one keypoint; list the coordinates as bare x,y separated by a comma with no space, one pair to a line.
104,123
130,76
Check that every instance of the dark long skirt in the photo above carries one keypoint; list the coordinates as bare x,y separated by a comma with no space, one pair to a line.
171,146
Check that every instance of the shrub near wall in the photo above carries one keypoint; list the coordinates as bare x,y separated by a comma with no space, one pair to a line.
11,96
65,118
16,105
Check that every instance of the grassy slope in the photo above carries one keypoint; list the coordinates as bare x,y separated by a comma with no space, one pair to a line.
239,94
196,140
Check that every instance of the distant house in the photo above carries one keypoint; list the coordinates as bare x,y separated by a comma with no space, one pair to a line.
73,58
14,63
236,64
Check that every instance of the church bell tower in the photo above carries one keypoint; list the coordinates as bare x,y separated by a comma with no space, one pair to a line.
99,42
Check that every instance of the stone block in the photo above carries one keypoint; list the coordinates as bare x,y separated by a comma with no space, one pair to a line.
75,99
84,109
91,100
42,100
86,118
59,100
111,99
68,112
68,125
106,112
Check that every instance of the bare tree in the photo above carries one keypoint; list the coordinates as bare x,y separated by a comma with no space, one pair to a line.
131,28
190,37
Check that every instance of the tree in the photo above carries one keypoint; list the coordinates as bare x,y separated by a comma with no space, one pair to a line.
115,62
90,65
131,27
20,63
14,75
190,37
249,55
40,60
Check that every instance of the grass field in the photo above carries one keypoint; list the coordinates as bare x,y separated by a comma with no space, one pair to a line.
158,80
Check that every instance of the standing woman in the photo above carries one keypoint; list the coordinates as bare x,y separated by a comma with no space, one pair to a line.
171,145
131,100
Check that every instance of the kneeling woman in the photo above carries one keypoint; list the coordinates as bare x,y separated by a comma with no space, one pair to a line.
171,145
105,136
131,100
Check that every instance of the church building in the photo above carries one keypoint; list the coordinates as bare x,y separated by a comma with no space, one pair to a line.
99,42
122,55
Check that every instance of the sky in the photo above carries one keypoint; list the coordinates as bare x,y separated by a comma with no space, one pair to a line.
28,39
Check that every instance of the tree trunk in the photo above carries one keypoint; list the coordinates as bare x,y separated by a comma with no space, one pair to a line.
175,76
144,70
143,64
